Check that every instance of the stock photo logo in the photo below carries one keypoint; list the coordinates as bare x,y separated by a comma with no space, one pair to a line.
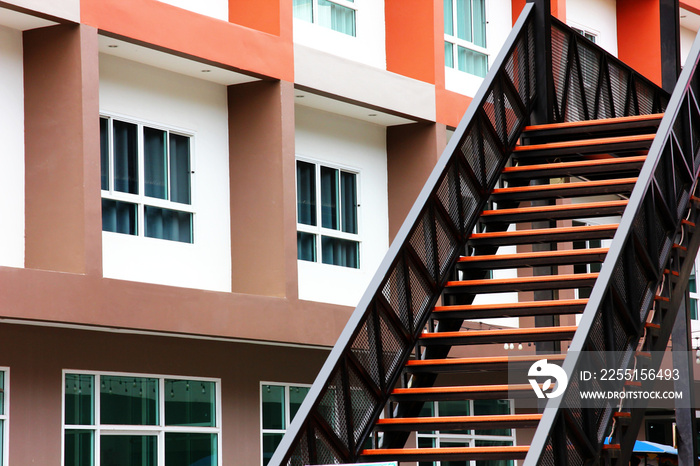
542,369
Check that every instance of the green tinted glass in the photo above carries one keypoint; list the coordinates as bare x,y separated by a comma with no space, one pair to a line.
79,448
128,400
273,407
128,450
190,403
79,396
187,449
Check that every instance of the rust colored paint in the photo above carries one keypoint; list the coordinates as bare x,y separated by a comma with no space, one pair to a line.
450,106
38,356
262,15
638,36
412,39
412,151
262,173
62,190
202,38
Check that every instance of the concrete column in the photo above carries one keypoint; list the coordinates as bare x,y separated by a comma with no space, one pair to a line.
263,193
62,150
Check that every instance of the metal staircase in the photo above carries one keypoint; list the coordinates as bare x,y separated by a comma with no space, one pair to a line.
608,168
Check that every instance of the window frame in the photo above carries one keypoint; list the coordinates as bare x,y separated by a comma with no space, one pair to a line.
287,412
159,431
458,42
437,437
318,230
5,418
343,3
141,200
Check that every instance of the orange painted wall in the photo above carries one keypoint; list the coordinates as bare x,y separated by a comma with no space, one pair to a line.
263,15
558,8
411,34
691,5
210,40
638,36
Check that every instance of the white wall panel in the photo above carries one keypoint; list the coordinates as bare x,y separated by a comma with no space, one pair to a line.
215,8
337,140
12,152
596,16
152,95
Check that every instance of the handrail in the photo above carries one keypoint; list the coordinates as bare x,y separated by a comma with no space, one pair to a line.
621,299
591,84
346,399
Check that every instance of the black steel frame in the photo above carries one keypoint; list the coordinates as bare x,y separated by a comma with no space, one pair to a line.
625,291
354,384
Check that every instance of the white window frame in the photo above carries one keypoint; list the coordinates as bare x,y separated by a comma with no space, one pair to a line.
5,417
457,42
140,199
343,3
471,439
287,411
158,431
318,230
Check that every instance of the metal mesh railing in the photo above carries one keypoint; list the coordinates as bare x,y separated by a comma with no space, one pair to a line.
349,394
591,84
620,302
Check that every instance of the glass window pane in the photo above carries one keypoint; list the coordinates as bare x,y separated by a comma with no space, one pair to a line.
180,169
2,395
479,23
168,224
188,449
336,251
303,9
693,308
472,62
155,163
306,193
128,400
336,17
447,16
464,19
453,408
296,396
79,448
306,246
329,198
273,407
128,450
449,55
119,217
270,442
79,396
125,142
190,403
491,407
104,153
348,195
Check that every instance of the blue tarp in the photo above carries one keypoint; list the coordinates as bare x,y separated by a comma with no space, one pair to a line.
642,446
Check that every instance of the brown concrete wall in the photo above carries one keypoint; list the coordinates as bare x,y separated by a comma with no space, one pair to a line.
263,224
412,151
61,101
37,356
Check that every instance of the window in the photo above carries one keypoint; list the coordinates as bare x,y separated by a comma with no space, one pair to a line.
465,36
136,420
338,15
146,180
467,438
693,295
327,226
588,35
594,267
4,411
280,402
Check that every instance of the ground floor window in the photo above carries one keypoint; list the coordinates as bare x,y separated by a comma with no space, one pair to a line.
279,404
4,411
140,420
467,438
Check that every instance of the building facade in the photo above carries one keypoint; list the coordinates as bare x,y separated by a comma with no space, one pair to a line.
196,194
